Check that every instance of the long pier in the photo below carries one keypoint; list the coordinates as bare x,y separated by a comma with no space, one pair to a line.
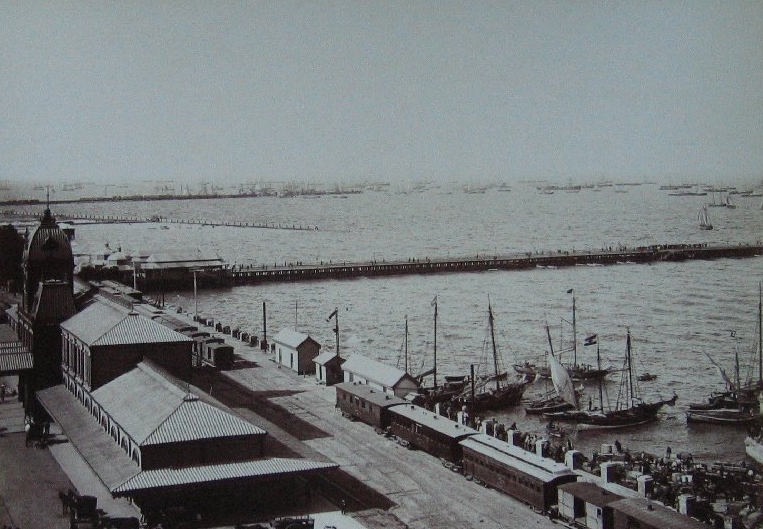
342,270
129,219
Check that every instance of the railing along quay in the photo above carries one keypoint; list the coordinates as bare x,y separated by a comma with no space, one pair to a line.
649,254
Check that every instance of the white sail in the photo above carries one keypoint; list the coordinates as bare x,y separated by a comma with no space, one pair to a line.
562,381
722,372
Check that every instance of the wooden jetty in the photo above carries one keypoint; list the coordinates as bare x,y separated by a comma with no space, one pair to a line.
645,254
182,278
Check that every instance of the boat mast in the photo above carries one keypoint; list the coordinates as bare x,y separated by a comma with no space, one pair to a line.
434,368
406,343
598,366
630,365
574,331
760,335
548,335
492,338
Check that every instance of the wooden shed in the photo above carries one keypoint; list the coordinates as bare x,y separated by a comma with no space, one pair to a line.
328,368
295,350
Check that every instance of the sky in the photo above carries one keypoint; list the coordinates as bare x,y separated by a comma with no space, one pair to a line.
397,91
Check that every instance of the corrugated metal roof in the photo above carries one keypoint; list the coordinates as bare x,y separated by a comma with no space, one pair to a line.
438,423
112,465
14,362
93,321
291,338
172,477
105,323
194,419
374,371
137,329
153,410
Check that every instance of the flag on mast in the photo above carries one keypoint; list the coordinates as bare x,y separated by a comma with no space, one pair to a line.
333,314
590,340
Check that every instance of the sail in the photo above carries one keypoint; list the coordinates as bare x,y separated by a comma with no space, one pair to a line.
723,374
562,381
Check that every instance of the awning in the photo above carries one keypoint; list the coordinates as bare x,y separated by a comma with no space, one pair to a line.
12,363
257,470
109,462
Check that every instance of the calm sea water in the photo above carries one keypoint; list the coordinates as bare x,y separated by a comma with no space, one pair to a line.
676,312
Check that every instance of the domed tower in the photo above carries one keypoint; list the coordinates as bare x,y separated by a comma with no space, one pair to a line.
47,256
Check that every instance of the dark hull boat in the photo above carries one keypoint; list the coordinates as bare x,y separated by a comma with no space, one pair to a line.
738,405
495,391
637,413
641,413
730,416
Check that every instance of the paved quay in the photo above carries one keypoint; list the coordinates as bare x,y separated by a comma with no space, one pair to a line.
425,493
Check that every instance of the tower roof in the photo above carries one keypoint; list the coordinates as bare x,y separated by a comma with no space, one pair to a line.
49,244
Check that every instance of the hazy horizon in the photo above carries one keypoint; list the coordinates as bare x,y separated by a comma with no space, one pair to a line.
348,91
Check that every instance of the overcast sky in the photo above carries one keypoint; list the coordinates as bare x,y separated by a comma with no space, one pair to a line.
342,90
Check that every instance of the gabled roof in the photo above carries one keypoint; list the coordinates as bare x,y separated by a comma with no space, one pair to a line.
153,410
292,338
375,371
105,323
324,358
188,259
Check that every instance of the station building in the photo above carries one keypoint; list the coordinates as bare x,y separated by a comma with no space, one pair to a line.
119,385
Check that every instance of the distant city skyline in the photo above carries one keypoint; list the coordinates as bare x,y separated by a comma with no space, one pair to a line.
343,91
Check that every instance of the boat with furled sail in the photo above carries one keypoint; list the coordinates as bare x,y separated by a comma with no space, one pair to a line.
496,390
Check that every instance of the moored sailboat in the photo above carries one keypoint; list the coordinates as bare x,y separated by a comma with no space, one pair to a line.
631,411
753,444
494,391
453,385
579,372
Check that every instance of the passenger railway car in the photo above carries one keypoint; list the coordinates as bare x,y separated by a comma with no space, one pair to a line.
521,474
435,434
364,403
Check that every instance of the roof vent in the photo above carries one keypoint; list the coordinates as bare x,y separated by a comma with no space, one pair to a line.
190,397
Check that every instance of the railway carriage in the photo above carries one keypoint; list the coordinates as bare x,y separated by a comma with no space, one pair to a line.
432,433
364,403
523,475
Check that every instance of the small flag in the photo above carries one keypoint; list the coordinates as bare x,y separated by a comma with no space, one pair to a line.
569,291
434,302
590,340
332,314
